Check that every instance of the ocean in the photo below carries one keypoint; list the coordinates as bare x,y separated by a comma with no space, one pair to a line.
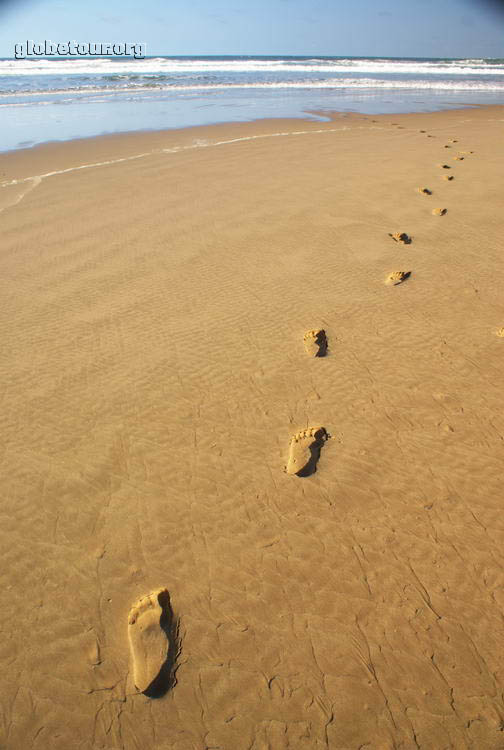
60,98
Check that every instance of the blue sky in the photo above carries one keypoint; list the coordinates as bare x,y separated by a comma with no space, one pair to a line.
415,28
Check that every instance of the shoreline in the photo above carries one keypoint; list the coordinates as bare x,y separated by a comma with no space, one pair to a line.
157,140
323,115
164,93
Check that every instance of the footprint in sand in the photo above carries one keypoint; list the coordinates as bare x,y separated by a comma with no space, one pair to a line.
458,158
401,237
500,333
430,136
444,166
447,146
424,191
316,342
397,277
304,451
439,211
453,140
150,623
447,177
422,131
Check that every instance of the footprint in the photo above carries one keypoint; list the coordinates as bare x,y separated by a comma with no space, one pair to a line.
424,191
431,136
439,211
453,140
150,629
447,146
444,166
458,158
304,451
422,131
397,277
401,237
316,342
93,651
447,177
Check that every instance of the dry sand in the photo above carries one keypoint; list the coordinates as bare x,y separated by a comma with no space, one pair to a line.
154,371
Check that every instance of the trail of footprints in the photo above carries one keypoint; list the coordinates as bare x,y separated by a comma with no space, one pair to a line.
152,630
397,277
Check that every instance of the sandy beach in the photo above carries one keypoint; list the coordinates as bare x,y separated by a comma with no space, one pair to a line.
247,430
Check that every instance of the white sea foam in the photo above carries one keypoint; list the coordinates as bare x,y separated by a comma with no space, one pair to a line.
89,66
331,83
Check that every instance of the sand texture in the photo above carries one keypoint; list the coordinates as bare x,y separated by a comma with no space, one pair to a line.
219,528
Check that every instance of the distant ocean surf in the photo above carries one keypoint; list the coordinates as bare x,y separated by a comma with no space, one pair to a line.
59,99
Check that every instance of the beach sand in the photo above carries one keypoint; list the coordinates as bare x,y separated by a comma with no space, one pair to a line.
161,381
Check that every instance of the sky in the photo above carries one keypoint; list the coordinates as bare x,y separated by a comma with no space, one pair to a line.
392,28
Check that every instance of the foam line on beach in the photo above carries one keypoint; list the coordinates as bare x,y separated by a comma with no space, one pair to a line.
18,196
37,179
